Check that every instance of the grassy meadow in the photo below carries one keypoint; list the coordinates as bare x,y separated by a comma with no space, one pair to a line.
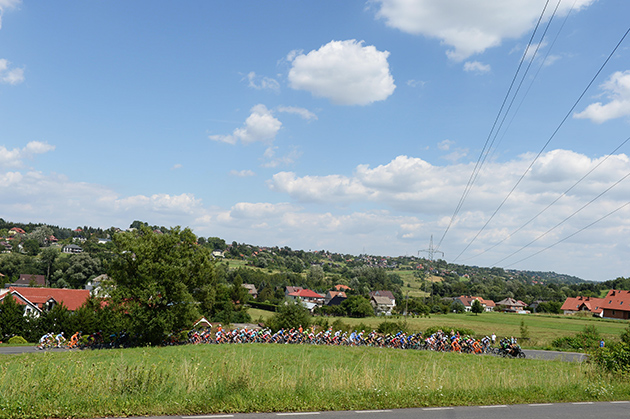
204,379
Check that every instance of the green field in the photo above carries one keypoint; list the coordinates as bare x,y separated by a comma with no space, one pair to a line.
207,379
542,328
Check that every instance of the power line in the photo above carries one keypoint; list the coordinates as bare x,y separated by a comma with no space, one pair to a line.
548,141
571,235
555,200
566,219
480,159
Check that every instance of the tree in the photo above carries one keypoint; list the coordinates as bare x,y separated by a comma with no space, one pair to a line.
290,315
476,307
161,280
41,234
357,306
48,257
12,320
31,247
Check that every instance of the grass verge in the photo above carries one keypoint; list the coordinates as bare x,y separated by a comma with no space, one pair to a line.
268,378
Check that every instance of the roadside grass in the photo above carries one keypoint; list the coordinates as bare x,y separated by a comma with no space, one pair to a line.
543,328
210,379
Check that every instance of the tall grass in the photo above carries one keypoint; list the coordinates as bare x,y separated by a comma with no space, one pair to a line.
254,378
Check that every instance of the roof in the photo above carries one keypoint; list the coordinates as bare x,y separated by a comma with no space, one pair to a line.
381,300
26,279
293,289
510,302
333,294
467,301
340,287
381,293
577,303
18,230
72,299
337,300
306,294
617,300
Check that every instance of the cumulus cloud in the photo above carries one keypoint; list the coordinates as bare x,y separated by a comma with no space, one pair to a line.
617,90
467,27
345,72
260,126
16,156
476,67
10,75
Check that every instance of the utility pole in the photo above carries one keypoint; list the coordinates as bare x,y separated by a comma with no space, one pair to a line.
431,251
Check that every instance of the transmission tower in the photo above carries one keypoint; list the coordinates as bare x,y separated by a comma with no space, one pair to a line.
431,250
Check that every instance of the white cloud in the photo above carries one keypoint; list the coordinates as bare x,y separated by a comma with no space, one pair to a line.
7,4
10,75
176,166
259,126
416,83
304,113
272,160
262,83
345,72
15,157
617,89
468,27
445,145
242,173
476,67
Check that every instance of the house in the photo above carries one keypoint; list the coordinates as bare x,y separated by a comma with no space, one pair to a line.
72,248
38,300
95,285
341,287
102,240
16,231
251,289
307,295
28,280
510,304
467,301
332,294
574,304
290,290
387,294
383,305
616,305
218,253
337,300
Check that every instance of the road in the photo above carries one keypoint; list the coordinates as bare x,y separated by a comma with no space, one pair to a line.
531,354
599,410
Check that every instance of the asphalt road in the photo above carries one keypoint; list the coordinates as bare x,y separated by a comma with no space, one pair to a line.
600,410
530,353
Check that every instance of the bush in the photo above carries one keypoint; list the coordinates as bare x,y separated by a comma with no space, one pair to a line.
17,340
589,338
391,328
615,357
431,330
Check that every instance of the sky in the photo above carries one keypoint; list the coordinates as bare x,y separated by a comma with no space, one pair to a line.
360,127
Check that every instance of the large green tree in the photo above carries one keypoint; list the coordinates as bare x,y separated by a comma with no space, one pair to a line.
163,281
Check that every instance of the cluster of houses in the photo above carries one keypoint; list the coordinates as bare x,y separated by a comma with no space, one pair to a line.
615,305
16,235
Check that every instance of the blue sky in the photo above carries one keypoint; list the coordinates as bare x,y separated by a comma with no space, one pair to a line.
349,126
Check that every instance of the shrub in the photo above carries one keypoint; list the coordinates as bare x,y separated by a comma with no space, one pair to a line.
388,327
587,339
17,340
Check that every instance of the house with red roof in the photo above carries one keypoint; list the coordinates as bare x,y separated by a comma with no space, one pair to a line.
307,295
16,231
467,301
341,287
616,305
38,300
573,305
332,294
